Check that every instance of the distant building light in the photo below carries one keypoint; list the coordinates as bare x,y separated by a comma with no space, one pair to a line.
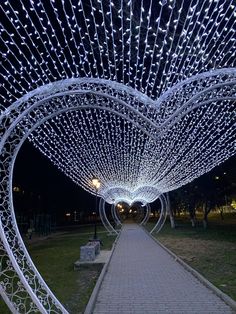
233,204
217,178
16,189
67,214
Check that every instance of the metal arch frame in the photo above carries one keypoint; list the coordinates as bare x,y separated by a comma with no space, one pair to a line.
104,219
198,77
112,87
12,261
195,106
124,195
32,295
163,215
41,102
197,102
114,215
49,91
147,214
14,252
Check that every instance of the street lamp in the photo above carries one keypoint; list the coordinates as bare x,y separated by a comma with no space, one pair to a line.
96,183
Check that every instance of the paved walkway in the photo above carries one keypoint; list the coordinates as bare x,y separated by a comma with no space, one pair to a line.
143,278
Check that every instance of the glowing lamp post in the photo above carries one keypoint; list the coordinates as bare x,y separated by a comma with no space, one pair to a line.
96,183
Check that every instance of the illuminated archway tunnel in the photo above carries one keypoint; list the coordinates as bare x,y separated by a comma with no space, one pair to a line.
124,91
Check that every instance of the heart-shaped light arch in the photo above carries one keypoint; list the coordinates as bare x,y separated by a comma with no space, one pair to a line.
155,47
34,110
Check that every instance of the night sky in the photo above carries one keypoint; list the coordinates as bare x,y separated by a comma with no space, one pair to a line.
35,174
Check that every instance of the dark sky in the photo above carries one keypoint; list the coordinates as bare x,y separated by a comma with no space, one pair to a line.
35,173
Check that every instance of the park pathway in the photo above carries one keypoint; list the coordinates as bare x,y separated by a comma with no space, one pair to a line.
143,278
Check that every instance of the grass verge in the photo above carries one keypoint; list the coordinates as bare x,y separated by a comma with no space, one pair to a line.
212,252
54,257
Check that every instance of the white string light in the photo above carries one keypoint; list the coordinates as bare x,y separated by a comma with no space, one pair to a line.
147,46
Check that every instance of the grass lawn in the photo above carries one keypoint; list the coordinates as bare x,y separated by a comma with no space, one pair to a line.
54,257
212,252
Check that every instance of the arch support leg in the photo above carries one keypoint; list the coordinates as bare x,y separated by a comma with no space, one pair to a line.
104,219
147,215
163,214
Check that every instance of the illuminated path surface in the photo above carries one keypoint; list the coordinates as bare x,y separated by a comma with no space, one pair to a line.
143,278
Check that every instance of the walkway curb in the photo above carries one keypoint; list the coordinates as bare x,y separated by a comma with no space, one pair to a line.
229,301
90,306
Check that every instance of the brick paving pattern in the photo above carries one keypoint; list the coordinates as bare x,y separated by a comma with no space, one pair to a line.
143,278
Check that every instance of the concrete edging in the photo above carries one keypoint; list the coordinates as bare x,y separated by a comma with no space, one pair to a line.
229,301
90,306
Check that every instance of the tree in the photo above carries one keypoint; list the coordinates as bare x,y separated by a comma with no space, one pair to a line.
208,192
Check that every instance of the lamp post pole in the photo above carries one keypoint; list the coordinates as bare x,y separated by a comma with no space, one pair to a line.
95,222
96,183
